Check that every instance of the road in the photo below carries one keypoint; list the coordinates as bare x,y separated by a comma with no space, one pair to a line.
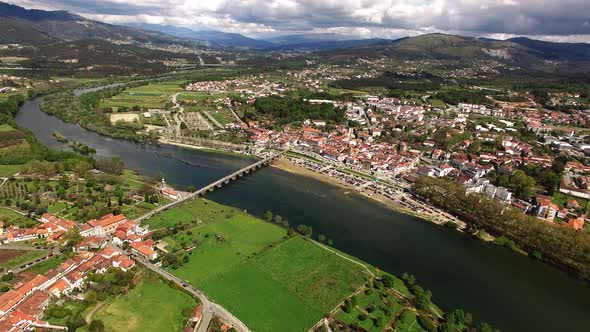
210,309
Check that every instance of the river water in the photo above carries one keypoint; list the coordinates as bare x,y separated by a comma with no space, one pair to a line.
508,290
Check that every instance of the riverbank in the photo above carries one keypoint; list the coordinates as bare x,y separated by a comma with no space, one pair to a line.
207,149
440,219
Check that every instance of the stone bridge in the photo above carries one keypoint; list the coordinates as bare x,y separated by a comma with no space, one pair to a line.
217,184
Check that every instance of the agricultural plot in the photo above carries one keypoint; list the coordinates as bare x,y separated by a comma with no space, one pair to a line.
151,306
13,258
373,309
155,95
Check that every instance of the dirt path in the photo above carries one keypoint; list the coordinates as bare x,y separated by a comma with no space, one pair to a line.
88,317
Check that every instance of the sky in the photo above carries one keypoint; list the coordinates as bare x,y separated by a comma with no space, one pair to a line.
561,20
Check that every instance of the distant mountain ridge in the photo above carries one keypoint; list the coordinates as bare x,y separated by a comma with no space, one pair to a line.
519,51
213,37
32,26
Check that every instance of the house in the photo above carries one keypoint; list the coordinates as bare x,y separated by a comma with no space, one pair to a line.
123,262
144,248
106,225
31,286
576,223
8,300
60,287
170,193
90,243
546,209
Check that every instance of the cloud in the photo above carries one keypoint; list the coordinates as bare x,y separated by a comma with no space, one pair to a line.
547,19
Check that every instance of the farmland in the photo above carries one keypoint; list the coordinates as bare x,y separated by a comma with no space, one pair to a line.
155,95
13,258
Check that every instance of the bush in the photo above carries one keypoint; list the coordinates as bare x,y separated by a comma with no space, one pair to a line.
427,323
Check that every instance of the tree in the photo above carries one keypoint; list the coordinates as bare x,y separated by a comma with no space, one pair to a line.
387,280
278,219
72,237
268,216
192,188
96,326
305,230
427,323
91,296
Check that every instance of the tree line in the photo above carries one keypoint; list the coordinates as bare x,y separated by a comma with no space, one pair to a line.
559,245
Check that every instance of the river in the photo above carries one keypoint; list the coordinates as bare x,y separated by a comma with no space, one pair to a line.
508,290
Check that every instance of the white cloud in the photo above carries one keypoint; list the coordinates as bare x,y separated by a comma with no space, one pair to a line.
549,19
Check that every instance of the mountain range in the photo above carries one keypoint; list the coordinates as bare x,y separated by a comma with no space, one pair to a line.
43,29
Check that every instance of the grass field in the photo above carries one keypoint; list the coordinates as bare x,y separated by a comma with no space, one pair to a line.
243,236
287,288
133,181
9,215
151,306
194,212
56,207
154,95
437,103
270,281
48,264
8,170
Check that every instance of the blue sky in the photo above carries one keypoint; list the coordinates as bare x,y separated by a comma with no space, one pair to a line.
563,20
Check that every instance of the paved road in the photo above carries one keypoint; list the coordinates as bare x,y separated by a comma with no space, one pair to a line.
210,308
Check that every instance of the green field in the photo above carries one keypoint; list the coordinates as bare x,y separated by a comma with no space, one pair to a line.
437,103
48,264
243,236
154,95
9,215
270,281
56,207
195,212
8,170
151,306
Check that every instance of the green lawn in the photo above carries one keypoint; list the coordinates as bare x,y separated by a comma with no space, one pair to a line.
151,306
48,264
323,279
56,207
